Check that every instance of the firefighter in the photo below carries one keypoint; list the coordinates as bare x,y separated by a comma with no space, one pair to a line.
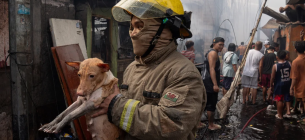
162,95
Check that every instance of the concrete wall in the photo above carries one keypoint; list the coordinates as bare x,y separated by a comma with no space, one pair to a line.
5,106
4,33
37,94
5,92
47,92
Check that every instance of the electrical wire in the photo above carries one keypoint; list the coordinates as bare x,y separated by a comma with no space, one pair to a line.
231,26
19,64
23,81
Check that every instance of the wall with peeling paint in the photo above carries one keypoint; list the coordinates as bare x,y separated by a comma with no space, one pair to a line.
5,92
4,33
36,91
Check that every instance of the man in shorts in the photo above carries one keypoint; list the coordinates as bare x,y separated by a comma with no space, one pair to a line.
252,72
281,82
268,62
297,73
229,67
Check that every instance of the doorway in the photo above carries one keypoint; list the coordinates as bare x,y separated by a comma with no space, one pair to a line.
101,44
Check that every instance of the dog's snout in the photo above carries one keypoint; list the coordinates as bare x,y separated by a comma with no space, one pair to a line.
80,93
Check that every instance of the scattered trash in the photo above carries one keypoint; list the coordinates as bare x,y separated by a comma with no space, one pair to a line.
256,129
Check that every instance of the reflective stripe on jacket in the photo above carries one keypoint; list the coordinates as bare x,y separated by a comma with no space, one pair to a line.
163,98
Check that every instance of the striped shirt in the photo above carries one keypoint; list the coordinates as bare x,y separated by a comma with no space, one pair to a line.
188,54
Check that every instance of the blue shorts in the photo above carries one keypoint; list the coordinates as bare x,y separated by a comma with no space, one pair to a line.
241,57
284,91
288,98
227,81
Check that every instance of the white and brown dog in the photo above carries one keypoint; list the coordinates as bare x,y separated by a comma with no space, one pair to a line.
96,83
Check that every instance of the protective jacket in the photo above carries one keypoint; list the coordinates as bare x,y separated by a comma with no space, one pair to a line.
163,97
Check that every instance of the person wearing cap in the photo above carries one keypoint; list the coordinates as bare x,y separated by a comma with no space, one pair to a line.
211,79
266,46
162,96
229,67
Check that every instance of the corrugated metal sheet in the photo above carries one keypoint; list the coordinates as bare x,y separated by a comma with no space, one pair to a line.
4,33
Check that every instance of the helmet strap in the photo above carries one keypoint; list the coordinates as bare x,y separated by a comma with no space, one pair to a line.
155,39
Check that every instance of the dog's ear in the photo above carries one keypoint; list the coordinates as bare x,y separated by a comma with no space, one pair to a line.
104,66
74,64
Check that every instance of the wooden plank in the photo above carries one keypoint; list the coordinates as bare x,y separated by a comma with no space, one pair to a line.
70,81
278,16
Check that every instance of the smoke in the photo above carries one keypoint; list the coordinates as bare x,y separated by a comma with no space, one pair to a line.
208,21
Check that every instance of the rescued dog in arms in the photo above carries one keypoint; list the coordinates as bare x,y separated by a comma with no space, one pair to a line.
96,83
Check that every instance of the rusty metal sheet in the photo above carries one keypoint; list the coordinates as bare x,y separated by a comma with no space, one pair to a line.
271,24
293,33
70,81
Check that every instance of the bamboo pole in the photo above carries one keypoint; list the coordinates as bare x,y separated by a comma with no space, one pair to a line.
227,101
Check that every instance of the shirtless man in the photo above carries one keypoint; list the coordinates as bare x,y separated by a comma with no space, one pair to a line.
295,12
241,49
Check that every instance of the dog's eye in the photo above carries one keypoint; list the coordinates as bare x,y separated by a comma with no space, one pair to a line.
91,76
78,75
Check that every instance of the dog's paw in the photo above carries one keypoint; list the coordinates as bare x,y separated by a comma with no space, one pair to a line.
46,126
51,129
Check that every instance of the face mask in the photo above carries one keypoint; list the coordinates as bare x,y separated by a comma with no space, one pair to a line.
141,41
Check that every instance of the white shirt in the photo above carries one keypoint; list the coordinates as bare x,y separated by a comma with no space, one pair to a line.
252,63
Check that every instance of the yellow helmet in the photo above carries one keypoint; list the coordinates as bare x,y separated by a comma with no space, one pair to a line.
151,9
